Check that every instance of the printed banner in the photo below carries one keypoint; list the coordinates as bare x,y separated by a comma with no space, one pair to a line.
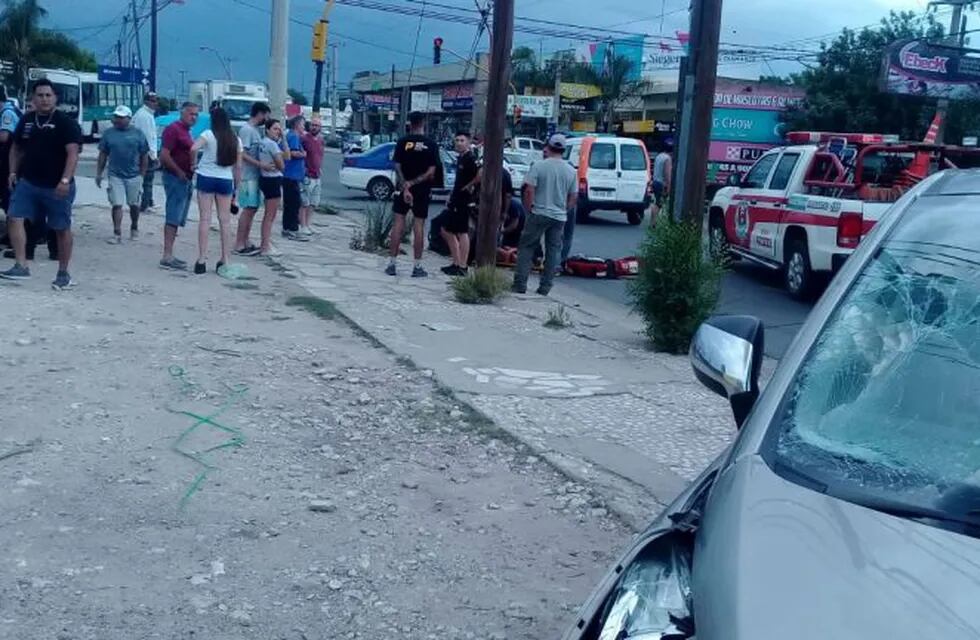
532,106
458,97
756,96
920,68
736,152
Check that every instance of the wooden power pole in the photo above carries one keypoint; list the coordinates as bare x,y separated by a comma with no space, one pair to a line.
154,10
696,117
494,129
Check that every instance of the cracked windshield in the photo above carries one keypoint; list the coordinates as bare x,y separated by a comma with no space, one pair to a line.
888,399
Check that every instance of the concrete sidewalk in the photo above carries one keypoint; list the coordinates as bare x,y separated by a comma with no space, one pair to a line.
591,399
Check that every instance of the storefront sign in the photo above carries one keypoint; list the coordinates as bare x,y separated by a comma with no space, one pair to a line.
587,126
532,106
737,152
921,68
574,91
755,96
381,100
420,101
747,125
458,97
639,126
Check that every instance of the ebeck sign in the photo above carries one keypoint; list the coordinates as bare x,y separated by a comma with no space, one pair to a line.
921,68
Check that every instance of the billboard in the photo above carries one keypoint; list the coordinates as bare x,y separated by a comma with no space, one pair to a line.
921,68
532,106
747,125
631,48
457,97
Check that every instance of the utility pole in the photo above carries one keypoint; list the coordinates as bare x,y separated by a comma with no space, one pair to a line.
496,124
321,33
955,38
136,30
153,44
119,52
696,117
334,101
183,85
391,98
278,46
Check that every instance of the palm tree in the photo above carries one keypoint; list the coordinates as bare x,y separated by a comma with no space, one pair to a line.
24,44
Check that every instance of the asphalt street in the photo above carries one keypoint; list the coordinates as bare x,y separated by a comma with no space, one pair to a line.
747,289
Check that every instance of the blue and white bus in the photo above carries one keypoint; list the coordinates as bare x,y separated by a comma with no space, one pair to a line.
83,96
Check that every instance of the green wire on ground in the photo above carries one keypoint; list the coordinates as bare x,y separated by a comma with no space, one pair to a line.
237,438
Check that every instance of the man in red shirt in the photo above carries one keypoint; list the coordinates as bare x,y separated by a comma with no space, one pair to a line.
175,158
310,192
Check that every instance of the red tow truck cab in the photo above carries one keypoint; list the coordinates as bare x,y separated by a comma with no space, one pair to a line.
804,208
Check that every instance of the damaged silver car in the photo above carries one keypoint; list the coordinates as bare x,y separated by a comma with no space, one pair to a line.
848,507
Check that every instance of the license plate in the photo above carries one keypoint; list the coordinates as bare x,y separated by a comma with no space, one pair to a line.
602,194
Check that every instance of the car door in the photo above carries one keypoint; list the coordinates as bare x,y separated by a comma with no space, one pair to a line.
780,180
633,173
745,209
602,172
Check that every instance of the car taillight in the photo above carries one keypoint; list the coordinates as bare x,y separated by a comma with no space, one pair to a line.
849,228
583,185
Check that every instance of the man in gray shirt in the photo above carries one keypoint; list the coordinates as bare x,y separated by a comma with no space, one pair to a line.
125,150
249,196
550,193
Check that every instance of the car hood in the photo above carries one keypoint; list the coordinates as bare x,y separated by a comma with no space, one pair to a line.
777,560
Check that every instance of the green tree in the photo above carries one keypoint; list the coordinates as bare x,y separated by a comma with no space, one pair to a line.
24,44
297,97
843,92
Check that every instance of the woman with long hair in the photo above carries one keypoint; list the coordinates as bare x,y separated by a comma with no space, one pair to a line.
272,154
218,174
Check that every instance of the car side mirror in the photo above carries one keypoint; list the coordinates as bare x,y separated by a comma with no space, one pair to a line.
734,180
726,355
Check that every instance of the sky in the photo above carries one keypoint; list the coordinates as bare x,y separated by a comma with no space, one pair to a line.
374,40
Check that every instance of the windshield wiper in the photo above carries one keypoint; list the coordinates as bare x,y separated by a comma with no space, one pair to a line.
913,512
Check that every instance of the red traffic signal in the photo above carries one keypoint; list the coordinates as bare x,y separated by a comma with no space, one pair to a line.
437,42
437,51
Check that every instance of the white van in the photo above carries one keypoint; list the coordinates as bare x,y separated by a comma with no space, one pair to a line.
613,174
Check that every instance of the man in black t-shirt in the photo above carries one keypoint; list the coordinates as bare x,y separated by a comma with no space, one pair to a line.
416,162
462,204
42,178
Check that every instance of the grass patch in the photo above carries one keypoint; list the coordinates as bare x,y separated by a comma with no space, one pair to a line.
482,285
558,318
375,232
317,306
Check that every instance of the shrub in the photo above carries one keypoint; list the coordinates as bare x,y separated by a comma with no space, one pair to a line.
375,232
482,285
558,318
678,285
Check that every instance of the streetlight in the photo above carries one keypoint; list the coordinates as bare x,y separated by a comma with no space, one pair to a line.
224,61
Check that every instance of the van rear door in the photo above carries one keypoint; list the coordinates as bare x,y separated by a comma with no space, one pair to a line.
633,171
602,172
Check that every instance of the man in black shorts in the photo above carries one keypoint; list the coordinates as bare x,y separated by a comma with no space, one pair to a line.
416,160
462,203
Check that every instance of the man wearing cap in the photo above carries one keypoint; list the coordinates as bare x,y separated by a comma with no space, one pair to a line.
126,151
144,120
551,192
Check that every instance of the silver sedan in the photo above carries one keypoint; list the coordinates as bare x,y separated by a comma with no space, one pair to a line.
848,507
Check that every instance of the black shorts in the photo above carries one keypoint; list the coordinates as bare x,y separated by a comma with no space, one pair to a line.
460,210
422,196
271,188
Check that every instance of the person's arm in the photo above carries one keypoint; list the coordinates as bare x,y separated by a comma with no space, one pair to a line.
237,170
475,181
14,160
71,163
279,159
100,165
668,173
196,148
530,183
295,147
144,163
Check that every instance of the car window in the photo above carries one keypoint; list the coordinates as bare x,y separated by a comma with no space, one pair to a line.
756,177
632,158
784,171
886,403
537,146
572,154
603,156
524,144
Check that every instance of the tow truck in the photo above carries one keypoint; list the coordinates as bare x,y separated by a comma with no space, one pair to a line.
804,208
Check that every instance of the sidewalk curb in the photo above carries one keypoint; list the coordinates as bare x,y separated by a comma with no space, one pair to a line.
631,503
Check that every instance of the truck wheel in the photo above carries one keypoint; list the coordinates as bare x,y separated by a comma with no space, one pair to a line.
634,216
798,274
718,240
380,189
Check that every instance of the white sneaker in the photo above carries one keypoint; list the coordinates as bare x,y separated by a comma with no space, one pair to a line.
306,231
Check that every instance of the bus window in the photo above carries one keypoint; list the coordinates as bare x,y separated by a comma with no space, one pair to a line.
103,95
89,91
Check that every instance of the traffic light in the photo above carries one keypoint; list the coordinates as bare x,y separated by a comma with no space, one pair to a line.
319,50
517,114
437,51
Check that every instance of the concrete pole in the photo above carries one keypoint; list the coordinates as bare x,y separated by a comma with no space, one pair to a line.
278,46
494,128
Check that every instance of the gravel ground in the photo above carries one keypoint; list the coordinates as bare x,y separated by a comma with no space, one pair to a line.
337,493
